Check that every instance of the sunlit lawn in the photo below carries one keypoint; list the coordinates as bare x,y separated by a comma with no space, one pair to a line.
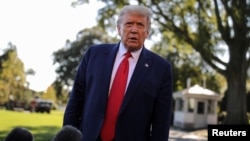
42,125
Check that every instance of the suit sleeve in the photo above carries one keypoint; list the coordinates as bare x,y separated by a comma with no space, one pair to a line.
73,112
163,108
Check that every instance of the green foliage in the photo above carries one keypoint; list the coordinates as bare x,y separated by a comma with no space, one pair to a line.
61,92
50,94
69,57
12,75
187,64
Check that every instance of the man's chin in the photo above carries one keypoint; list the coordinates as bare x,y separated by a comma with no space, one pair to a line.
133,47
133,44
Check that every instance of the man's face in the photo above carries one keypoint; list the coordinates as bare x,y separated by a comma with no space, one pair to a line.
133,30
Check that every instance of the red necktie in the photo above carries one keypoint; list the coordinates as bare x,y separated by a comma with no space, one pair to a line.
115,99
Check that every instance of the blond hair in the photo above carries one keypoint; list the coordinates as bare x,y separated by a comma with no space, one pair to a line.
139,9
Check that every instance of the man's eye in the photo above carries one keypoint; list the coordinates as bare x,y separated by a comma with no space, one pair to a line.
140,25
129,24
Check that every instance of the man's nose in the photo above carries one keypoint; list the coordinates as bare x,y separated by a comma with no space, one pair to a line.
134,28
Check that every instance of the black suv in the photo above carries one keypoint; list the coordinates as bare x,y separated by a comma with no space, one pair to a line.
43,106
40,106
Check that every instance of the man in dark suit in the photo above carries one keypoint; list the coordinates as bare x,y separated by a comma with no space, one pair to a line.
145,110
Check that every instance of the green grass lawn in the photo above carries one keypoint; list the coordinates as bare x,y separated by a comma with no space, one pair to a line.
42,125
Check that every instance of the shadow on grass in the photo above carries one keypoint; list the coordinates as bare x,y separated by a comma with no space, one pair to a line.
41,133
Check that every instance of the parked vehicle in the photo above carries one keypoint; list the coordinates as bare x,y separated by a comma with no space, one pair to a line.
40,105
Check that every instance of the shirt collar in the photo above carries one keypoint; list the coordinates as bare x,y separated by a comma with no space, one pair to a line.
122,50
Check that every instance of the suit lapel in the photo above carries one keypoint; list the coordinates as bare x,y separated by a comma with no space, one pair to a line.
143,64
108,62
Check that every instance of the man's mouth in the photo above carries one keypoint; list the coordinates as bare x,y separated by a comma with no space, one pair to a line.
133,39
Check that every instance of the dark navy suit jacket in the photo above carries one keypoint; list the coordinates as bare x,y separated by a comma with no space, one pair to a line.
146,109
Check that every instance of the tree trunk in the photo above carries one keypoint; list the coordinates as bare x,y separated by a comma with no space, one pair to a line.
236,104
236,75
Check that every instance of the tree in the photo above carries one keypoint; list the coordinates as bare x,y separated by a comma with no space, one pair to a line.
70,56
214,28
12,75
188,65
29,72
50,94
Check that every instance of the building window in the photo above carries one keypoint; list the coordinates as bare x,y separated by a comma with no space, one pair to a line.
191,105
201,106
179,105
210,107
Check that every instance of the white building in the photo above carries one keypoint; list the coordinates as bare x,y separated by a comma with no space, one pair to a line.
195,107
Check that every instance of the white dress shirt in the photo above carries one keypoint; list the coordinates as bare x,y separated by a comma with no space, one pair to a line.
132,62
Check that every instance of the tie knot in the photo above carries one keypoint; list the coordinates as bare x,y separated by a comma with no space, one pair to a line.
128,54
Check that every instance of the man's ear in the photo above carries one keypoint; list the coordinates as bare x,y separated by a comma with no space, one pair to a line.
118,30
148,31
